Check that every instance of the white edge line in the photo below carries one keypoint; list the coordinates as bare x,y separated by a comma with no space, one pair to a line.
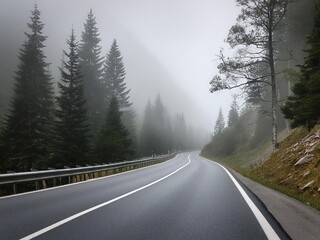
265,225
57,224
83,182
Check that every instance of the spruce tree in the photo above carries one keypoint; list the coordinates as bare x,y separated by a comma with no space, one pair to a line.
113,80
233,116
91,68
159,120
147,134
26,134
113,144
71,128
220,124
303,107
180,133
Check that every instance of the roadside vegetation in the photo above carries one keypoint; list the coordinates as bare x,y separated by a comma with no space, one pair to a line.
281,169
274,140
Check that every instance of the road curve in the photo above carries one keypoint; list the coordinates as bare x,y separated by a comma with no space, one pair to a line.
187,197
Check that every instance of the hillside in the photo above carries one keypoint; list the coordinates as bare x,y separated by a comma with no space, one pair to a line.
295,167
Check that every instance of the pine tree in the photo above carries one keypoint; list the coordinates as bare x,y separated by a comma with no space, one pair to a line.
220,124
180,133
160,116
156,133
26,134
113,80
113,143
71,128
303,107
233,116
91,68
147,134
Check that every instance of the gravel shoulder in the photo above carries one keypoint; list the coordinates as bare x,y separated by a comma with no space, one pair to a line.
297,219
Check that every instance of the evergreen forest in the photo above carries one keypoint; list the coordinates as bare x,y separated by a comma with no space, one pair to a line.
89,117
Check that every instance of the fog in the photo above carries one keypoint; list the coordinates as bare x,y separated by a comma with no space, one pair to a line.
168,47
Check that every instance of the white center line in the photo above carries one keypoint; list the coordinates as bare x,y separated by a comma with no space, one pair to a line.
57,224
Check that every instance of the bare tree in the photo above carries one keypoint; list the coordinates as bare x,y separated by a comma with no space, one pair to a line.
252,38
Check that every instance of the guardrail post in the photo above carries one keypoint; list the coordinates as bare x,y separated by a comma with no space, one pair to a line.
37,185
14,188
54,182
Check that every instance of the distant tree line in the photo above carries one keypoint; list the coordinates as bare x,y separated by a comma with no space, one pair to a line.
161,133
226,139
275,64
90,120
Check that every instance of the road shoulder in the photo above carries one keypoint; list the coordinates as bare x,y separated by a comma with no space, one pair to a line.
297,219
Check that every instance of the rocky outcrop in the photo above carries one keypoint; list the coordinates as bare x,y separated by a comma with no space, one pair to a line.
305,159
305,148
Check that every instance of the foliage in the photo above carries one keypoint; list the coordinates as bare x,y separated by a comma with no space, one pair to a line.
27,131
91,68
161,133
71,127
113,82
113,144
233,116
156,133
254,61
113,78
261,131
220,124
180,133
303,107
147,142
225,141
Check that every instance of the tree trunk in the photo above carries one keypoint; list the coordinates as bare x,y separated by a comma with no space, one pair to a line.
274,114
287,122
273,86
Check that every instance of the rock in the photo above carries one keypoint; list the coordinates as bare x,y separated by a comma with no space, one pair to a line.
305,159
306,173
308,150
295,145
312,143
317,134
308,185
319,189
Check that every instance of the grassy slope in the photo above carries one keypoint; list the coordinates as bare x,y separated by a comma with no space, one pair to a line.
278,171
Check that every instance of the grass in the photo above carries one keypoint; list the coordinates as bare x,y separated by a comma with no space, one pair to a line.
277,169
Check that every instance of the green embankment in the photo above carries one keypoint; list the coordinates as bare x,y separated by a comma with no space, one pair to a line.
293,169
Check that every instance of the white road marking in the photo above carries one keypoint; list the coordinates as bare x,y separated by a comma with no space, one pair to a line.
86,181
57,224
265,225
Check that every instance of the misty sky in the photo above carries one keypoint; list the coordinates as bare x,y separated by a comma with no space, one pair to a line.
168,46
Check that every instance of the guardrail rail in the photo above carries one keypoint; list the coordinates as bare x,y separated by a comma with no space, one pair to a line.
55,177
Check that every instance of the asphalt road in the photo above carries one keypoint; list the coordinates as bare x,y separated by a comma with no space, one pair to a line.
187,197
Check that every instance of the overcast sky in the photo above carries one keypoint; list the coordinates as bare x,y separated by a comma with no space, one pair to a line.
173,43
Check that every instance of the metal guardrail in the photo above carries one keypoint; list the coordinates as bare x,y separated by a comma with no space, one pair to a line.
75,174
